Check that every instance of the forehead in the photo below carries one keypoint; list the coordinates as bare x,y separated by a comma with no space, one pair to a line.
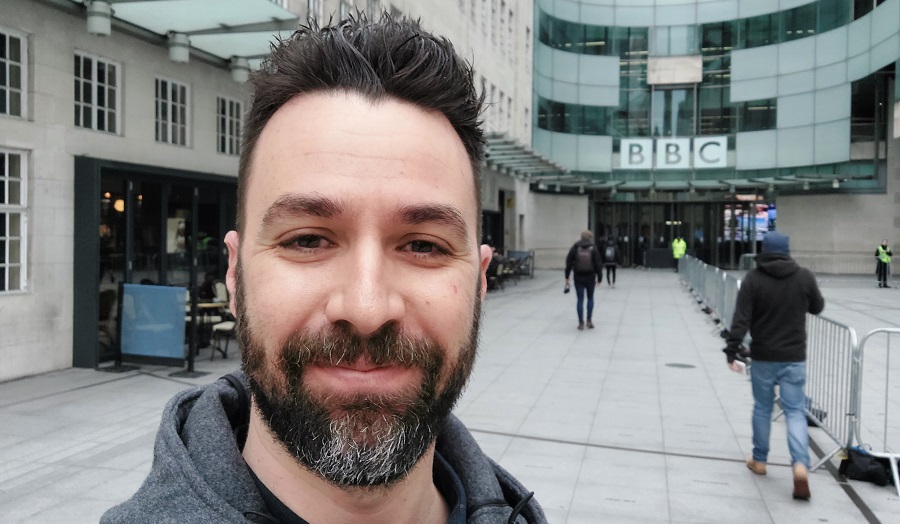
344,146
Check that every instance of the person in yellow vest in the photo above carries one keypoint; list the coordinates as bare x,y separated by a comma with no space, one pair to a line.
679,247
883,266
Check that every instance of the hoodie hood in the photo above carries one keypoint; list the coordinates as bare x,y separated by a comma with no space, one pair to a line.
200,476
775,242
585,243
776,265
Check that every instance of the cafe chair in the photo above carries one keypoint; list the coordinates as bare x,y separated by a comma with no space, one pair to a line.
222,329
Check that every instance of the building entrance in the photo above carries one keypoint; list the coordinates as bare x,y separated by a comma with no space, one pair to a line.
718,233
156,226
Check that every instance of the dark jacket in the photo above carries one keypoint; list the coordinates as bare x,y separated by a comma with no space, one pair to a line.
772,304
199,474
616,258
595,257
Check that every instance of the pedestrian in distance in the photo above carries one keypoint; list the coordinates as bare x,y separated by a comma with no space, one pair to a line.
356,278
679,248
772,305
883,256
584,264
611,259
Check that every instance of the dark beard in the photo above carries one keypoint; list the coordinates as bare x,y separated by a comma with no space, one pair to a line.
359,440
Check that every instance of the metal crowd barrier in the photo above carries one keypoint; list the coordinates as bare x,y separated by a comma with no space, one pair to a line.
831,372
834,362
885,365
713,287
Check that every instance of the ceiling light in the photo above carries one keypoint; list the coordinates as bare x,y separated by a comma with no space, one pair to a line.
240,69
179,48
99,18
835,183
806,186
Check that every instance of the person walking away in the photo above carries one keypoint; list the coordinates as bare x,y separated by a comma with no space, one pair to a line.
883,256
611,260
679,247
583,262
772,305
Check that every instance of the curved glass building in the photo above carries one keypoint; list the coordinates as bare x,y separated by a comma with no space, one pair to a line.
662,105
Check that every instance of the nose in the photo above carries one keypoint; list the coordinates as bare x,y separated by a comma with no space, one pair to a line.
367,295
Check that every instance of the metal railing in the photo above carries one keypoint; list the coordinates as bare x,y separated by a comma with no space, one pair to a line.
713,288
835,370
883,363
831,372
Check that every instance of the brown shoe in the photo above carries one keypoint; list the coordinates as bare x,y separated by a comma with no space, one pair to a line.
590,324
757,467
580,326
801,482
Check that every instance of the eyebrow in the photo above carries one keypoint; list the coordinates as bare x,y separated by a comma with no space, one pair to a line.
435,213
293,205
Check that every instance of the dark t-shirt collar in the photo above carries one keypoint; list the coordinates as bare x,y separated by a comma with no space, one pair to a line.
445,479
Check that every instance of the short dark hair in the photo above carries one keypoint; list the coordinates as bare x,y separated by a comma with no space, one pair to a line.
392,58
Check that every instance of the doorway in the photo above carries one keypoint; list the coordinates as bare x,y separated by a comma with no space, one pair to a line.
156,226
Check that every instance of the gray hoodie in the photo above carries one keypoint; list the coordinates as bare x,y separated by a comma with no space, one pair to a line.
199,474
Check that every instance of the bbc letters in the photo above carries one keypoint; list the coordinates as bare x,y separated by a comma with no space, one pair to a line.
673,153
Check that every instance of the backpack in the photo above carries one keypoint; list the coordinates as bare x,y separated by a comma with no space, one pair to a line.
584,259
860,465
610,254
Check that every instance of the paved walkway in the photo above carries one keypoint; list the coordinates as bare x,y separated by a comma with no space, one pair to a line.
636,421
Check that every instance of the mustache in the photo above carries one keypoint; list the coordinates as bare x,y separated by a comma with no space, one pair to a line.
339,345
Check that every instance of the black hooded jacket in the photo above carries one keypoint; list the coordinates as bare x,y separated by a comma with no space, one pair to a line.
199,475
587,277
772,305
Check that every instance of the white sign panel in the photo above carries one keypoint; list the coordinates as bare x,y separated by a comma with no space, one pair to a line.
636,153
673,153
710,152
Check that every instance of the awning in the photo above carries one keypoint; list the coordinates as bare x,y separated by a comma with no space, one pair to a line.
219,31
508,156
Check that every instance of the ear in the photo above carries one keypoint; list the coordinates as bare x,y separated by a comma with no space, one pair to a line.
485,252
233,241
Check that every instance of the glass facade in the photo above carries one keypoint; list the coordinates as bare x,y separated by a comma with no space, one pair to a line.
767,29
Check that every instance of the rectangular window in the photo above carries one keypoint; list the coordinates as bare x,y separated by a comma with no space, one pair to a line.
13,219
228,126
172,105
312,9
97,93
12,73
757,115
346,7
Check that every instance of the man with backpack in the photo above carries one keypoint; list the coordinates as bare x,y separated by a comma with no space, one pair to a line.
611,260
584,261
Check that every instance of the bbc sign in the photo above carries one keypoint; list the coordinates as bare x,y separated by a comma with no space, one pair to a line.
673,153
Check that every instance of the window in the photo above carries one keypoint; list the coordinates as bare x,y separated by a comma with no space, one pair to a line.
756,115
96,93
12,73
312,9
674,41
171,112
346,6
672,112
12,221
228,127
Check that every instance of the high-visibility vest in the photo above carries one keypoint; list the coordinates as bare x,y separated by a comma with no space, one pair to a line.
678,248
883,255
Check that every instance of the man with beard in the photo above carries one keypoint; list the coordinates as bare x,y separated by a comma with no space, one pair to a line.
356,279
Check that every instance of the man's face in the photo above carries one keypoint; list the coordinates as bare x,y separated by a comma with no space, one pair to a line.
357,282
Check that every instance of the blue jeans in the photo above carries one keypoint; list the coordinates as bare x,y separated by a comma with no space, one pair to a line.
791,379
582,288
